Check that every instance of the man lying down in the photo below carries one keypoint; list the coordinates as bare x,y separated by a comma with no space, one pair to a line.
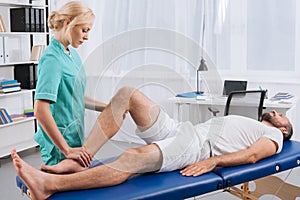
195,149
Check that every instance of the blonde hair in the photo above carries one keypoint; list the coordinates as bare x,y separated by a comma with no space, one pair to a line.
76,11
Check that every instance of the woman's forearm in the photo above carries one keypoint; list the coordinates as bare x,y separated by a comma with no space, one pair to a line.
93,104
46,120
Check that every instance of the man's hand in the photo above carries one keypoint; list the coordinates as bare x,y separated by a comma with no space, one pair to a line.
199,168
80,155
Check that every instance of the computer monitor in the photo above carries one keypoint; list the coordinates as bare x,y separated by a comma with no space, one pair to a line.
233,85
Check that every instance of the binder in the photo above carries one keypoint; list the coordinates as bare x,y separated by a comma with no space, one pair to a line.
26,74
42,20
37,20
1,50
6,49
32,20
20,19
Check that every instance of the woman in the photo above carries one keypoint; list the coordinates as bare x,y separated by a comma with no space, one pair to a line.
59,98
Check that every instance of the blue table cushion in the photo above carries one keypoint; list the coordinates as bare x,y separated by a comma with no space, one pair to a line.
287,159
169,185
172,185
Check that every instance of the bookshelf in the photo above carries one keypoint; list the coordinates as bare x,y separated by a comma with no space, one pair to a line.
15,52
18,63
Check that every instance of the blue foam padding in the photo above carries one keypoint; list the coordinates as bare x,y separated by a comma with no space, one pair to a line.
170,185
287,159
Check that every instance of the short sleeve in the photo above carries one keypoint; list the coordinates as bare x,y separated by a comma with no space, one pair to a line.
49,77
275,135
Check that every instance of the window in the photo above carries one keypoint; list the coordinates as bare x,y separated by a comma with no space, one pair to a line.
259,36
271,35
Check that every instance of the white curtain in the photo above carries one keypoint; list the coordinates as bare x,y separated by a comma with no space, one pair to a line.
152,45
259,38
155,45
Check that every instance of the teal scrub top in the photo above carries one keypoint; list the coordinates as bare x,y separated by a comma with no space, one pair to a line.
62,81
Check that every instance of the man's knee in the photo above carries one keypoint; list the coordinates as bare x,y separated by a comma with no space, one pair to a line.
123,95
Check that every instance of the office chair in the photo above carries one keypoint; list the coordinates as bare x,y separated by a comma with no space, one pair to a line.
238,102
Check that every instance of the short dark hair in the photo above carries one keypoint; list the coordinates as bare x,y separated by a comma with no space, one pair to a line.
288,135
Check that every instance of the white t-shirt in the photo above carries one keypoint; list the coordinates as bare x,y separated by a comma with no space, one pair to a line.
233,133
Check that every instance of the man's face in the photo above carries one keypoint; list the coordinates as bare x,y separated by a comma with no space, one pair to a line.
275,118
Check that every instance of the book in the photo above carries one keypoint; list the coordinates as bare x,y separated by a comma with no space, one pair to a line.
8,81
29,112
3,118
1,121
17,117
2,25
282,96
12,89
189,95
10,85
36,52
6,115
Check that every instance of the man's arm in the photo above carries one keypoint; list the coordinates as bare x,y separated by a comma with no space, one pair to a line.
263,148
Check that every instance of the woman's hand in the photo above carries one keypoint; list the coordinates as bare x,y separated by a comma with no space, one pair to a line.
80,155
199,168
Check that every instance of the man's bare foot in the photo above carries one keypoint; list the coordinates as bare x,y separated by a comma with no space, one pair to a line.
34,179
66,166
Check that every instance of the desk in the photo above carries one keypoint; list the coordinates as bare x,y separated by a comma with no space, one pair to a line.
198,108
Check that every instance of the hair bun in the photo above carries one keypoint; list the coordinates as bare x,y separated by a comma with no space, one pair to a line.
55,21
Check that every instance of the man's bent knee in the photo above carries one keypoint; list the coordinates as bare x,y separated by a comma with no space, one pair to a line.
126,92
120,101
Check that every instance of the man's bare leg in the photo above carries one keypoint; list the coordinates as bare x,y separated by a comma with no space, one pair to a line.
43,185
142,110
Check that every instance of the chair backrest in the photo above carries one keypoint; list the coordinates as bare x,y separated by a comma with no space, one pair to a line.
247,103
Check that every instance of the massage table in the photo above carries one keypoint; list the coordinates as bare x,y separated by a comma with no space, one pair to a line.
172,185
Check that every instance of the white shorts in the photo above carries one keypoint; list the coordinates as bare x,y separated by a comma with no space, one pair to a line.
178,141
